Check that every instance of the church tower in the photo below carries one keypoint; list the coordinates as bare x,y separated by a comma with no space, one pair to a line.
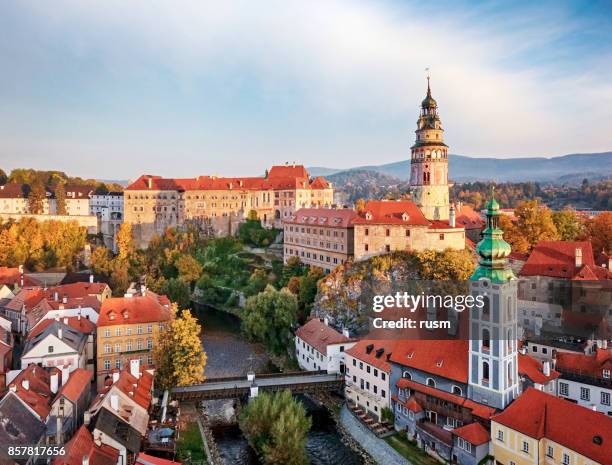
493,361
429,163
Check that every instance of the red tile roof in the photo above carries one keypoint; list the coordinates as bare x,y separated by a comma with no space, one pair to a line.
11,276
333,217
468,218
83,325
391,212
76,290
479,410
411,404
82,444
590,365
446,358
149,308
540,415
287,171
146,459
28,296
78,381
13,190
373,352
533,369
38,393
139,389
557,259
474,433
319,335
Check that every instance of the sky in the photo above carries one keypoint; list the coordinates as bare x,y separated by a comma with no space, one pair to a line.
114,89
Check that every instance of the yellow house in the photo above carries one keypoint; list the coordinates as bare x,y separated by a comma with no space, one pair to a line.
539,428
127,328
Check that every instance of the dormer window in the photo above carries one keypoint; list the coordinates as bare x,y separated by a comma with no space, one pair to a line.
368,216
405,216
606,374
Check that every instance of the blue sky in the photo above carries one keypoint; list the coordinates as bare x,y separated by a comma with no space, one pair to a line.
114,89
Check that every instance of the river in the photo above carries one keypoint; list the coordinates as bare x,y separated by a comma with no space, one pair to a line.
229,354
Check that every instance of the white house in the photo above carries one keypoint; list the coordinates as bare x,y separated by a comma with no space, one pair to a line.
587,379
56,345
368,374
319,347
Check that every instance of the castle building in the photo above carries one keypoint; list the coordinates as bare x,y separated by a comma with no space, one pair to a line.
429,163
153,203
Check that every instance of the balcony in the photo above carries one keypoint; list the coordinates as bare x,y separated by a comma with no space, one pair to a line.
436,432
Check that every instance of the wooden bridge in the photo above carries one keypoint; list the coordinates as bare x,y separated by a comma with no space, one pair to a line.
228,388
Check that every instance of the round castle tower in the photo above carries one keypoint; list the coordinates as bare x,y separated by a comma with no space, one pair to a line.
429,163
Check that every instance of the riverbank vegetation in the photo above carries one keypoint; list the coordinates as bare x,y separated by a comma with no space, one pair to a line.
276,426
189,445
409,450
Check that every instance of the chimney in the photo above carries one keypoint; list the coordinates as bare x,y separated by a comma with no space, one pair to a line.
546,368
91,278
65,374
20,275
86,418
594,407
60,333
451,217
345,332
54,382
150,182
115,376
326,321
65,320
523,350
143,290
135,368
578,257
55,296
85,459
13,388
25,384
58,429
114,401
65,299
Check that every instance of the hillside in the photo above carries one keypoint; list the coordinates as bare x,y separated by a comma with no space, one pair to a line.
464,168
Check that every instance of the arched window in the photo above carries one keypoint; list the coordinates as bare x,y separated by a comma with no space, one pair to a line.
406,375
509,340
486,339
486,307
431,382
457,390
485,371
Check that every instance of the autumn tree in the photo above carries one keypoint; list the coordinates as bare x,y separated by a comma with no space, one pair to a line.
568,224
125,241
533,223
276,426
268,318
599,231
360,205
3,177
60,199
178,354
189,269
453,265
101,261
177,291
36,199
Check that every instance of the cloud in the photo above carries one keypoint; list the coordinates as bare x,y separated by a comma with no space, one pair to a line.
500,77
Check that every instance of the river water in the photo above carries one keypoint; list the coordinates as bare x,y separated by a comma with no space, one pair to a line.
229,354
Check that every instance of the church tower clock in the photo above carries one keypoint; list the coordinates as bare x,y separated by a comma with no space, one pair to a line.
429,163
493,361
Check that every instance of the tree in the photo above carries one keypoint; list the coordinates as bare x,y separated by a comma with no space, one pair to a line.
268,318
177,291
101,261
119,279
3,177
360,205
125,241
189,269
568,224
534,223
276,426
308,289
36,199
453,265
60,199
599,232
179,357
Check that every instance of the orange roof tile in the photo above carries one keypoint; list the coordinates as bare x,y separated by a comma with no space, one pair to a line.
391,212
534,370
82,325
149,308
78,381
373,352
468,218
146,459
11,276
38,393
82,444
331,217
319,335
590,365
474,433
446,358
540,415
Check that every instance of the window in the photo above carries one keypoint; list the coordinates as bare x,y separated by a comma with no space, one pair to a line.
463,444
128,346
563,389
457,390
383,394
361,365
566,459
366,231
139,329
128,332
375,372
485,371
118,363
368,368
365,247
500,435
387,232
441,236
354,362
149,344
107,364
525,447
149,328
585,393
117,347
139,344
382,376
431,382
107,349
387,248
606,374
118,332
605,398
550,452
107,333
407,232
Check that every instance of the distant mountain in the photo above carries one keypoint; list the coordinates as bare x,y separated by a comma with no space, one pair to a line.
464,169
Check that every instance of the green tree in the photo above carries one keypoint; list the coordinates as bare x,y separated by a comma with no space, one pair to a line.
179,357
276,426
177,291
3,177
568,224
36,199
268,318
308,289
189,269
60,199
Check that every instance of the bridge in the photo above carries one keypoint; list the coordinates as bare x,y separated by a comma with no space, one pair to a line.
228,388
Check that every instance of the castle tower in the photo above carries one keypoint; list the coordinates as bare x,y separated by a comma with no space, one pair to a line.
429,163
493,362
